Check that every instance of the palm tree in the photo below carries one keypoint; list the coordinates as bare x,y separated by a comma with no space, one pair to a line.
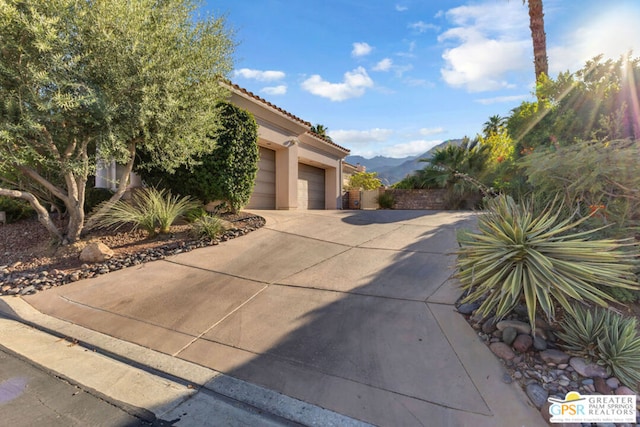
493,126
321,131
539,38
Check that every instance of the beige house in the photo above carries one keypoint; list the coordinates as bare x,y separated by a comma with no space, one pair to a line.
297,169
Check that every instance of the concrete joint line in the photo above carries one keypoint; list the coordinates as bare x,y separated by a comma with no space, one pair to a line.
220,321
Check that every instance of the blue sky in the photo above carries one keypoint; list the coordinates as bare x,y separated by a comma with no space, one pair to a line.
394,78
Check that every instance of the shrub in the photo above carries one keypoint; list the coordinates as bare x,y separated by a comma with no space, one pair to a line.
607,338
94,196
386,200
208,226
228,172
516,256
16,209
149,209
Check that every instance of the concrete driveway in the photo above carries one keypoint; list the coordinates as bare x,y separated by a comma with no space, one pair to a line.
348,310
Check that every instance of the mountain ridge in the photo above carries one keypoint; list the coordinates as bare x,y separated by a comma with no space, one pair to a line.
390,169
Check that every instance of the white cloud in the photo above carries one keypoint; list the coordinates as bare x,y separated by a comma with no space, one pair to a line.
485,49
354,85
431,131
411,148
384,65
401,8
361,136
361,49
275,90
503,99
422,27
263,76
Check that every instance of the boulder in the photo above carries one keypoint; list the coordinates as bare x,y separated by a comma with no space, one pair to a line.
519,326
523,343
589,370
96,252
554,356
502,350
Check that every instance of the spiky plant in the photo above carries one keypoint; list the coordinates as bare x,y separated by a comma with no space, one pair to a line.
619,349
606,338
148,209
208,226
541,260
580,331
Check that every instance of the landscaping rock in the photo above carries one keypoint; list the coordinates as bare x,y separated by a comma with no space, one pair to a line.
96,252
523,343
555,356
589,370
489,326
601,386
509,336
502,350
537,394
613,382
539,343
624,390
519,326
468,308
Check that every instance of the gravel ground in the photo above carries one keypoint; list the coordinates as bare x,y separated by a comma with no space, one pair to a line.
29,261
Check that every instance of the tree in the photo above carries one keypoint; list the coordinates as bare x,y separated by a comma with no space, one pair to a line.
539,38
103,78
494,125
364,181
228,173
321,131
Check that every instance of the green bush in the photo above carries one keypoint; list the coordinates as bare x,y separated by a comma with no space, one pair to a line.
208,226
227,173
94,196
607,338
386,200
149,209
15,209
516,256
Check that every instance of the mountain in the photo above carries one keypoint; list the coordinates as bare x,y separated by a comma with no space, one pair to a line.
391,170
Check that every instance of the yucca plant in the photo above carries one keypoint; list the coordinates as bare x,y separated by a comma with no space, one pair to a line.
148,209
541,260
619,349
580,331
606,338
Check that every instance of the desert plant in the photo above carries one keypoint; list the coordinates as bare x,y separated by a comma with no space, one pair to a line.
516,256
207,226
386,200
149,209
606,338
580,331
619,349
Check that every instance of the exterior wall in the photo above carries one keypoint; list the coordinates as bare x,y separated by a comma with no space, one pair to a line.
419,199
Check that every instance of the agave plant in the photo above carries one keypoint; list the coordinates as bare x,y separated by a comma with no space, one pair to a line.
149,209
606,338
541,260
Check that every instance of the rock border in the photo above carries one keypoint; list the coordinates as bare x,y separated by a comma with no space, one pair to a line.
21,283
537,362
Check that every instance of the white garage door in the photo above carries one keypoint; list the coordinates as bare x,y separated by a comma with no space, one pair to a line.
264,192
310,187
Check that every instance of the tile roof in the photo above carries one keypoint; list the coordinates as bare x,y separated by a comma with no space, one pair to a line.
284,112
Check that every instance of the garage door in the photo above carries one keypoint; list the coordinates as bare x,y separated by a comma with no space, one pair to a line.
264,192
310,187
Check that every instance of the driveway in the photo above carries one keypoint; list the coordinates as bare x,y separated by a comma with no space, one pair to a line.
348,310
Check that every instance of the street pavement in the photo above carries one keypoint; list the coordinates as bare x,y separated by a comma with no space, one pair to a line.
347,312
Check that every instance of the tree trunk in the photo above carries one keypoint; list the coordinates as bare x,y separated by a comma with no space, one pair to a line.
43,215
536,23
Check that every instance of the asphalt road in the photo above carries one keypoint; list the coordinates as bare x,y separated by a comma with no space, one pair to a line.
31,396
